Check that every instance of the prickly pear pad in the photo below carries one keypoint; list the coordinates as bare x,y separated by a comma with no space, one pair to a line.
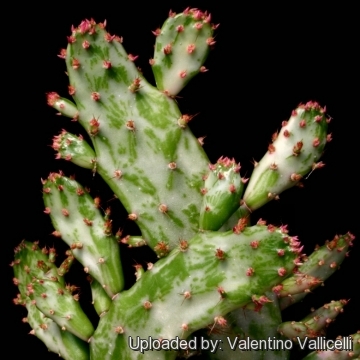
293,153
187,290
181,47
39,283
144,152
80,224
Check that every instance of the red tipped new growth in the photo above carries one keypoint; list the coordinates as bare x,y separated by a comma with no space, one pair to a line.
132,217
163,208
277,289
130,125
241,225
250,272
109,38
210,41
135,85
183,245
94,127
147,305
62,54
191,48
52,98
75,64
106,64
161,249
220,321
297,148
132,57
71,90
95,96
220,254
184,119
259,301
167,49
255,244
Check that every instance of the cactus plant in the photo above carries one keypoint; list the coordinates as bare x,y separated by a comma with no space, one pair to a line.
186,212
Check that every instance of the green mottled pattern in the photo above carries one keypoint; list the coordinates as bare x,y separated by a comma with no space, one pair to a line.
222,189
30,256
66,107
338,355
76,217
322,263
315,323
276,170
137,137
75,149
167,67
39,283
200,272
62,308
100,298
299,283
255,325
61,342
266,181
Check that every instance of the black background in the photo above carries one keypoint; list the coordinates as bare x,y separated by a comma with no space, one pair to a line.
267,59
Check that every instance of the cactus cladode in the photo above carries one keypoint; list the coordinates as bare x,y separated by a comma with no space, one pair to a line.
215,271
294,151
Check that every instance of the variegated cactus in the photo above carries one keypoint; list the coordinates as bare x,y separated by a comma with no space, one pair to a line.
218,278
